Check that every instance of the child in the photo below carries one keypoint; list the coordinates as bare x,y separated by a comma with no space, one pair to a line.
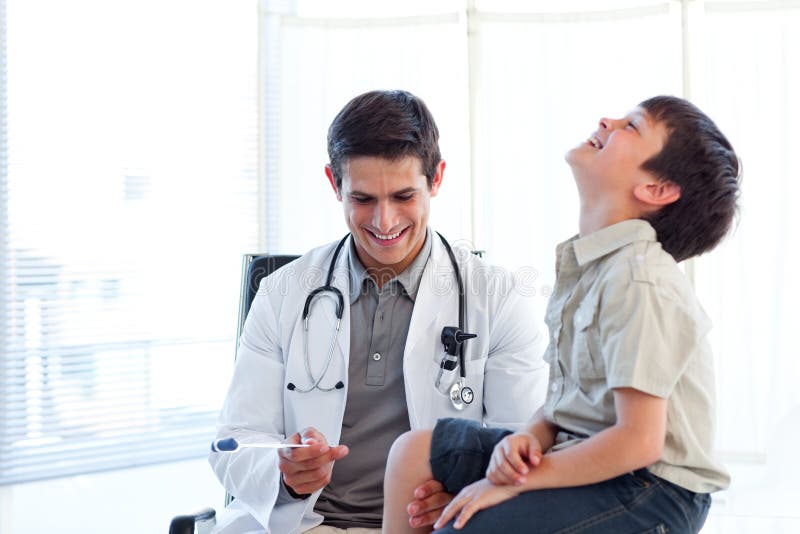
623,442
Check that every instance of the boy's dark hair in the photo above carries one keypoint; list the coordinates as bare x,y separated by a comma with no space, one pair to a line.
699,159
387,124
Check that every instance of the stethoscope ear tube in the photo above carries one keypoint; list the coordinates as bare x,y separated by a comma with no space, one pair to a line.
328,287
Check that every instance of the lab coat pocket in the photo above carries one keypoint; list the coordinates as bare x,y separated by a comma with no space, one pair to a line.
587,357
444,377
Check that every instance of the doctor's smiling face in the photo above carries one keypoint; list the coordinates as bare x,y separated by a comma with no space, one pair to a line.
386,206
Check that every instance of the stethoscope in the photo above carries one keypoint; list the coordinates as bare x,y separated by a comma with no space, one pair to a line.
453,338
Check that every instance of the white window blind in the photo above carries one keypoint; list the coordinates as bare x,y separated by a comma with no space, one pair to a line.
129,197
4,275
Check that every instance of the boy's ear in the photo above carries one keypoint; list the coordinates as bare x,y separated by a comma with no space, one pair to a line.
657,193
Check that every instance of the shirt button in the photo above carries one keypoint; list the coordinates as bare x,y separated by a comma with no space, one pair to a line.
376,356
554,388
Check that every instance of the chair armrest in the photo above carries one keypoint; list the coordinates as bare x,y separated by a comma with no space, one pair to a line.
185,524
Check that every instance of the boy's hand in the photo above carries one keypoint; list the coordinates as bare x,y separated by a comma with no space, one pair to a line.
308,469
512,459
429,501
475,497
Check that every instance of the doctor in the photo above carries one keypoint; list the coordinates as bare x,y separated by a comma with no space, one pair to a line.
349,391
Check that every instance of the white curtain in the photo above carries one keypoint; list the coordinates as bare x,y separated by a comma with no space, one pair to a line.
312,66
514,85
545,80
748,79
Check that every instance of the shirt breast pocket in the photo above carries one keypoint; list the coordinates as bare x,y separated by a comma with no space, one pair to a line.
587,357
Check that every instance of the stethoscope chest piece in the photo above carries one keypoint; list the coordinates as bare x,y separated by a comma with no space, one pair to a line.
461,395
467,395
453,339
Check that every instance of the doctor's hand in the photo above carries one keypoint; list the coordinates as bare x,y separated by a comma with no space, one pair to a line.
429,500
306,470
512,459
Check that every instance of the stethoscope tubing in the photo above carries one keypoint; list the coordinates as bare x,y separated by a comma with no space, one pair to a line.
328,289
462,304
328,360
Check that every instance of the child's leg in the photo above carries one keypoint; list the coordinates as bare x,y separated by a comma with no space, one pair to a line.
637,502
407,468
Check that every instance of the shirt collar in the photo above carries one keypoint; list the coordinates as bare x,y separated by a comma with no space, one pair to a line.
410,279
611,238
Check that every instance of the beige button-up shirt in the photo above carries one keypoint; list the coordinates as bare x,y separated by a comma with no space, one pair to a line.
622,314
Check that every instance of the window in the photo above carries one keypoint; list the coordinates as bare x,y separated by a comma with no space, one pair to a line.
130,193
129,184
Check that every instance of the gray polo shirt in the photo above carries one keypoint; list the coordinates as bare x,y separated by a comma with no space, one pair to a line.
376,412
622,314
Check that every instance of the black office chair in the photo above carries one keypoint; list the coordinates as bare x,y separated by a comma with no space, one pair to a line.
254,268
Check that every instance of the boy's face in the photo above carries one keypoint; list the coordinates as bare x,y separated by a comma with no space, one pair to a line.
609,164
386,206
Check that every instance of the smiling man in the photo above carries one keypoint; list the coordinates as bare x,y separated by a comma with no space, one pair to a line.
386,205
372,365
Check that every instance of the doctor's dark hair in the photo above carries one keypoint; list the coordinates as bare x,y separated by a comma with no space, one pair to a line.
699,159
386,124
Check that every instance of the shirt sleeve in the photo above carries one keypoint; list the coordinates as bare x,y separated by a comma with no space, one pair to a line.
285,494
650,328
253,411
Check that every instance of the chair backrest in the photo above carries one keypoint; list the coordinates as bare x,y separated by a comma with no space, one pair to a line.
254,268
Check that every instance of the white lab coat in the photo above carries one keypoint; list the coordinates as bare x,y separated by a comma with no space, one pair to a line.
504,368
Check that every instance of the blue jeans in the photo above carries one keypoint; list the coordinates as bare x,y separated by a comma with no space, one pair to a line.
637,502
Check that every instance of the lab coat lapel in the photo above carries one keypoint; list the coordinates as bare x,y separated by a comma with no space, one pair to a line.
438,293
436,306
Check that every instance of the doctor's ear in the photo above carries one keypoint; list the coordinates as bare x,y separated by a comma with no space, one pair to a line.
332,180
436,183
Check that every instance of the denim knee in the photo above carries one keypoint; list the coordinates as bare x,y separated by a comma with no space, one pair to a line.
461,450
